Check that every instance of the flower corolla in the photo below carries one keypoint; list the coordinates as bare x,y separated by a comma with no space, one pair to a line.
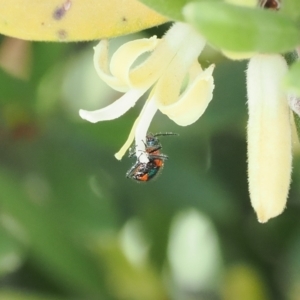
180,88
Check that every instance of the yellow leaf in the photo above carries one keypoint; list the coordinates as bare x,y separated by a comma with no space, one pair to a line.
74,20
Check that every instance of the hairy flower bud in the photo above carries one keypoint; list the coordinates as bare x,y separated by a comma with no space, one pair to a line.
269,136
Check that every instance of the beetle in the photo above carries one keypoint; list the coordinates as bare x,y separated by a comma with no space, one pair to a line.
142,171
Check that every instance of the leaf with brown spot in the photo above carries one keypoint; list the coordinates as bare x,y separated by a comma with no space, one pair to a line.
78,20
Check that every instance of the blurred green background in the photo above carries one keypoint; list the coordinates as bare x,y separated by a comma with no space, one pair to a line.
73,227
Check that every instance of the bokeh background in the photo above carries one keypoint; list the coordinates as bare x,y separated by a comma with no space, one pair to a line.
73,227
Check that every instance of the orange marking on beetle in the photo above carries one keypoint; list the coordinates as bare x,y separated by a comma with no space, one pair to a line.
144,178
158,162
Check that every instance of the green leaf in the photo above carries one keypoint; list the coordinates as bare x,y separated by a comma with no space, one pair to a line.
21,295
291,8
292,79
297,123
69,263
11,253
131,281
237,28
9,91
171,9
246,276
292,85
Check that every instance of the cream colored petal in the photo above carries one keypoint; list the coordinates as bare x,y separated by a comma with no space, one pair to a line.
142,127
119,155
187,108
168,87
193,102
194,71
101,63
269,136
139,130
180,40
126,55
180,37
114,110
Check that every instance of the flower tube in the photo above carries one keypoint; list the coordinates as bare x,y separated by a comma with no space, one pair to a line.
269,136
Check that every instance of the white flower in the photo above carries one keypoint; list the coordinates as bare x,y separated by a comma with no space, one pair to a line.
269,136
173,58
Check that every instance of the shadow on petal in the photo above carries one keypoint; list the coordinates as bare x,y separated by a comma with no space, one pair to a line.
193,102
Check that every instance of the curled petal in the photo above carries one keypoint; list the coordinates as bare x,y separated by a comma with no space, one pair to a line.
126,55
269,136
114,110
190,106
101,63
